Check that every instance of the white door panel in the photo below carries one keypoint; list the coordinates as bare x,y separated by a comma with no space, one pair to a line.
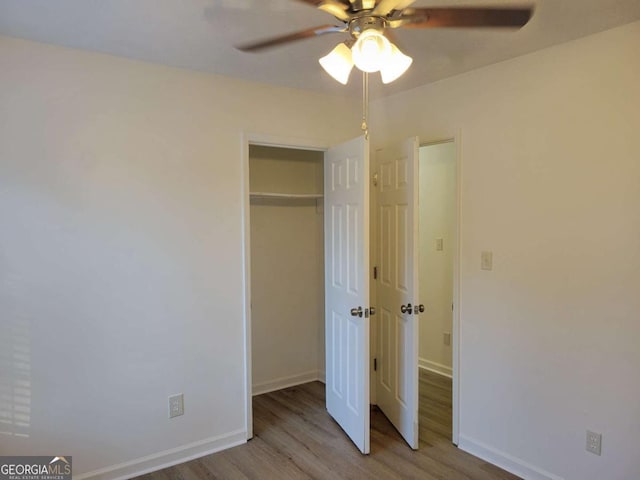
397,210
347,287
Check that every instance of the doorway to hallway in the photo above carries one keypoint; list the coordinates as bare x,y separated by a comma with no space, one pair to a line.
437,199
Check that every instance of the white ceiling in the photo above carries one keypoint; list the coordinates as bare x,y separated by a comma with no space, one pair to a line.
200,34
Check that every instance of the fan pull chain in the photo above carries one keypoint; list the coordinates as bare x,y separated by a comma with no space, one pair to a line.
365,104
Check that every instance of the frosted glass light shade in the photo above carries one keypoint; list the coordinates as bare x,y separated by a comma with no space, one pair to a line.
371,51
396,65
338,63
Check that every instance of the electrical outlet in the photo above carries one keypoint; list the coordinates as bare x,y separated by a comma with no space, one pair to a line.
439,244
594,442
486,260
176,405
446,338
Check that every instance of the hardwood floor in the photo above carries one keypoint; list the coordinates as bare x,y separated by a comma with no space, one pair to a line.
295,438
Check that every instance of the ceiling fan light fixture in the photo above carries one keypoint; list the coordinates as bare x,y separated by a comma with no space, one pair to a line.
371,51
338,63
395,67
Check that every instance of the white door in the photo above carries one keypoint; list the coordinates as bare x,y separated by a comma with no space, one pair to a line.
346,211
397,287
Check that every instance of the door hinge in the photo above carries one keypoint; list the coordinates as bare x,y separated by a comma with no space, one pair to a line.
375,273
375,364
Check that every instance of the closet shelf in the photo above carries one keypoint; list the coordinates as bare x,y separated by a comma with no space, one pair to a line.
267,195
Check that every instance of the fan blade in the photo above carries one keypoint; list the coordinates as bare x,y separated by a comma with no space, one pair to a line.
338,10
291,37
317,3
328,5
385,7
358,5
466,17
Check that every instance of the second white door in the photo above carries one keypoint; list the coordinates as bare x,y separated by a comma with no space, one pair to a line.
397,287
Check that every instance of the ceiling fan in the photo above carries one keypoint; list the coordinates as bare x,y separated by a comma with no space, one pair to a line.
369,24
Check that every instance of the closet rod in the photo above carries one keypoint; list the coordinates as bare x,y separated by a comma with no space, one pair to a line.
266,195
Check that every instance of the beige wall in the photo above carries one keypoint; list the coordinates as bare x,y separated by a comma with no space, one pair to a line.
550,184
121,254
437,217
287,269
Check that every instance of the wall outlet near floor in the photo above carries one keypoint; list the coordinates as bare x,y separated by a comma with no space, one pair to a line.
446,338
594,442
486,260
176,405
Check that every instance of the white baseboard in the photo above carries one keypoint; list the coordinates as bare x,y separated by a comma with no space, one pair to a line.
504,460
167,458
435,367
285,382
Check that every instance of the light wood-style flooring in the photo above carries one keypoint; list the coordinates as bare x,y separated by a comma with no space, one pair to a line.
295,438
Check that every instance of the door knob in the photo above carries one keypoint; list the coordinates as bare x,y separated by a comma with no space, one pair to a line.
372,311
356,312
418,309
405,308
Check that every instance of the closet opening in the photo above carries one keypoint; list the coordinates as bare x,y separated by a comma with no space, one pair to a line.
284,268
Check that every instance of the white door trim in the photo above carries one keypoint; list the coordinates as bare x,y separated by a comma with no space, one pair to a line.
247,139
456,138
455,434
